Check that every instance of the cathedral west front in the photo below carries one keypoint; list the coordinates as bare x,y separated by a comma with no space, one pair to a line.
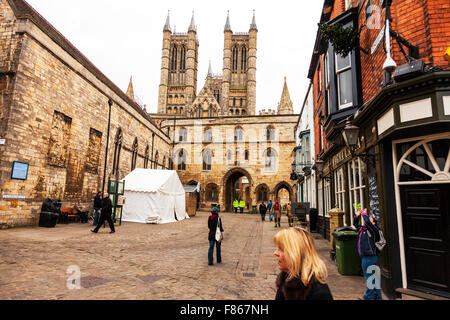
219,140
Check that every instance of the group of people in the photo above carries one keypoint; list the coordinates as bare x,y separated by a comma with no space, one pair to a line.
275,211
238,204
102,211
303,273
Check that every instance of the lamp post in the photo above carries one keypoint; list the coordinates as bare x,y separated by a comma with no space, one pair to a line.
110,103
350,133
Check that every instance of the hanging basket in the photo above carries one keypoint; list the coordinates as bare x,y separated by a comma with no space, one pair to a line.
343,39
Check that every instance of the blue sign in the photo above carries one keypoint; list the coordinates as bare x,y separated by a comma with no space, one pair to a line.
19,170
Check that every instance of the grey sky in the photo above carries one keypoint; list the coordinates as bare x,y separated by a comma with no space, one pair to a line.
124,38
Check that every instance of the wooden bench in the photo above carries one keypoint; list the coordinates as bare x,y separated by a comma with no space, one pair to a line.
68,216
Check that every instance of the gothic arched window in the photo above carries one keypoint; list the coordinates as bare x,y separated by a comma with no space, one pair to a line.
212,193
270,159
183,135
211,111
183,59
134,153
117,149
199,111
207,135
156,160
173,64
238,134
244,59
181,160
146,156
270,133
235,59
207,160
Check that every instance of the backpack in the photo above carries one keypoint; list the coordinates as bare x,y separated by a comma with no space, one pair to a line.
379,240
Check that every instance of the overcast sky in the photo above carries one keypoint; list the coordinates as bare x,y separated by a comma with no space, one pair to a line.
124,38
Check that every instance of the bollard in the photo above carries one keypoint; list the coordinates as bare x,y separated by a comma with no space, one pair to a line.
336,221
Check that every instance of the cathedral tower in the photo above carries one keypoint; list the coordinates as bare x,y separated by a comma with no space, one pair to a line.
179,67
239,70
285,105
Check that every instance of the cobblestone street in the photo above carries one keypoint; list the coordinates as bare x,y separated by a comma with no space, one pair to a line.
151,262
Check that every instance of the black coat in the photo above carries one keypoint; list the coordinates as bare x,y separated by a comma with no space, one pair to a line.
107,207
212,225
262,208
365,243
296,290
98,202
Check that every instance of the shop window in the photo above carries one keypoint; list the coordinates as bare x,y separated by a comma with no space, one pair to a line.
357,186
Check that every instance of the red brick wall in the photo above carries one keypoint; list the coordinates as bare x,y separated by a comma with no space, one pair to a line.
423,23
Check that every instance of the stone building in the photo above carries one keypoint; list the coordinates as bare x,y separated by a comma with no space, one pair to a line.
218,140
54,116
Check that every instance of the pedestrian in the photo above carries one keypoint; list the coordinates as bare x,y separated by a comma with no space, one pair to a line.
367,250
213,220
235,205
290,215
269,208
241,205
78,210
105,214
277,216
97,206
303,273
262,211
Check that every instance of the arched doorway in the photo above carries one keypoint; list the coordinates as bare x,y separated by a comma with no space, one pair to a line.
283,192
195,183
236,181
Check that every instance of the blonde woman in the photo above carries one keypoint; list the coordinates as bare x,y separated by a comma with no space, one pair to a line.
303,273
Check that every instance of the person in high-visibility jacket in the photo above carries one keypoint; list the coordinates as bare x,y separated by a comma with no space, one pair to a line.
235,205
242,205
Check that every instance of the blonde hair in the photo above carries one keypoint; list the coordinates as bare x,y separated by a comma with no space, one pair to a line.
301,256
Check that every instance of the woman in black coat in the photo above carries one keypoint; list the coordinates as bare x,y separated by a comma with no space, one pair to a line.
213,220
303,272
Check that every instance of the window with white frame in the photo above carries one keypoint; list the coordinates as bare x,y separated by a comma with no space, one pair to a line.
339,189
326,76
344,81
327,200
357,185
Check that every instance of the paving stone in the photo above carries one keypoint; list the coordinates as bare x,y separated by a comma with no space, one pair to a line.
152,262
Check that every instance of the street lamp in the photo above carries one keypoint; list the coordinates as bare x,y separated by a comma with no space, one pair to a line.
110,103
351,135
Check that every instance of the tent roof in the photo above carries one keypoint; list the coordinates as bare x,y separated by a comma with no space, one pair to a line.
190,188
148,180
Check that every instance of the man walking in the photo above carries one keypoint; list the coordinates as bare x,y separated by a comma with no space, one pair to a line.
277,214
105,214
262,211
269,208
97,207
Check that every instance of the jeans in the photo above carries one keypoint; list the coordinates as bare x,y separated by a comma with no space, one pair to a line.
96,216
366,262
211,250
270,216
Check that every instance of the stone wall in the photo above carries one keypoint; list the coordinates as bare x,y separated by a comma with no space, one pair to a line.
254,141
58,124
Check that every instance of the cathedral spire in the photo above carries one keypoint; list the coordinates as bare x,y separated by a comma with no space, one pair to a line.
167,25
193,27
285,106
253,25
130,90
210,73
227,24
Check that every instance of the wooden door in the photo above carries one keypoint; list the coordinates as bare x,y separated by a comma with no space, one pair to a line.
425,210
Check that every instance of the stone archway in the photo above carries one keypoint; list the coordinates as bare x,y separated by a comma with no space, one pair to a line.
230,179
283,185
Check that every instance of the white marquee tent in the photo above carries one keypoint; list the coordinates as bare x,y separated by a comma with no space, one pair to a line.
154,196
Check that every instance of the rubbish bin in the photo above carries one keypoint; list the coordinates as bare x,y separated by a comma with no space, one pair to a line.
313,213
48,219
254,210
347,257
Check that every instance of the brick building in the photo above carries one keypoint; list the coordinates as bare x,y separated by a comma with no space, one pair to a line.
394,88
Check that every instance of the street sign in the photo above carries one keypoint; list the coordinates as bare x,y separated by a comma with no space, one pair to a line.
377,41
